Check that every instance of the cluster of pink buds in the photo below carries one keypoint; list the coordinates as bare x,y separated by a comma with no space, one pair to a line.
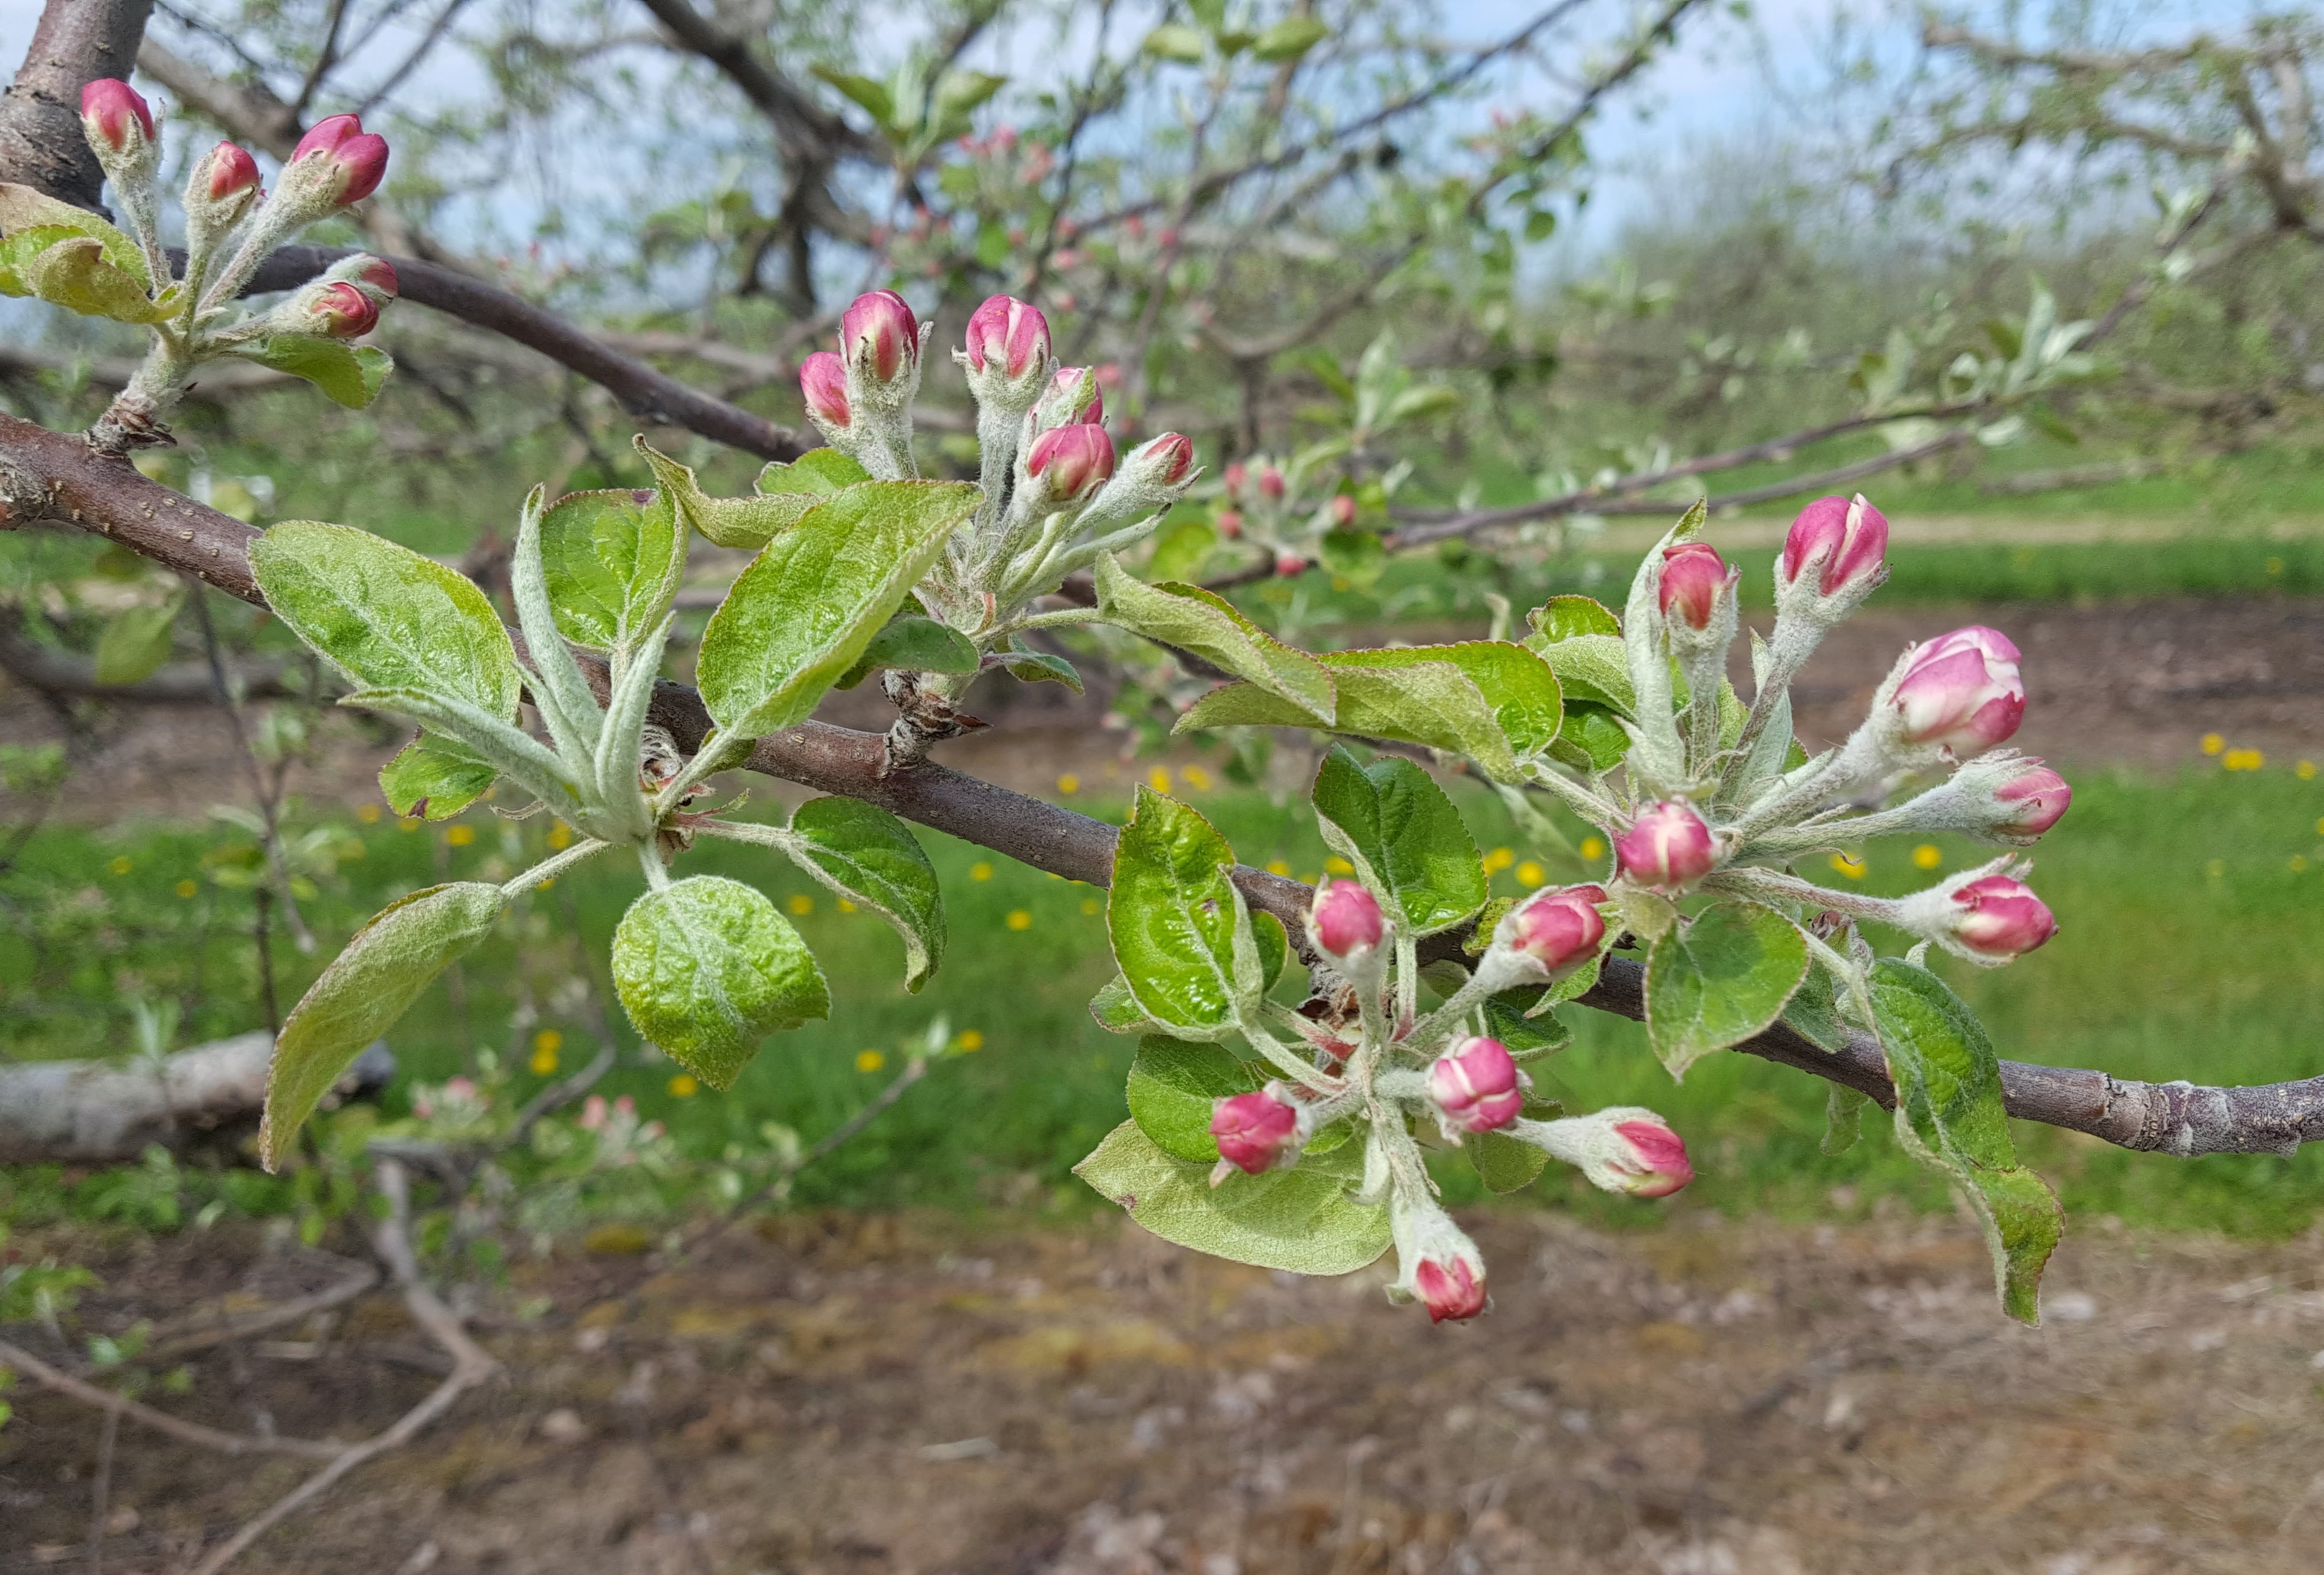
861,397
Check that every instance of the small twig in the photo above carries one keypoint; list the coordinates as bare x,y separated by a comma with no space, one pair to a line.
193,1432
914,1070
101,1493
242,1326
269,798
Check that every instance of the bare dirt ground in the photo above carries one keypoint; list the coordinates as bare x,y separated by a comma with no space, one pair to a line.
859,1396
2137,683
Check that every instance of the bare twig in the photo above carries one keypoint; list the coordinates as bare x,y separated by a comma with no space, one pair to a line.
193,1432
839,1135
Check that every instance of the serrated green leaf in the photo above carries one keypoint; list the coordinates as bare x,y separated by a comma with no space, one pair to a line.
79,274
817,473
1524,1036
1117,1011
869,857
1172,913
435,777
135,641
1408,698
1028,666
1564,617
1407,842
1184,45
1504,1164
1719,979
1300,1221
751,522
1199,622
1949,1113
1274,943
1814,1011
1592,739
612,561
918,644
1288,39
386,616
1354,556
706,968
23,208
1589,667
1172,1086
1180,550
817,594
351,374
20,247
367,987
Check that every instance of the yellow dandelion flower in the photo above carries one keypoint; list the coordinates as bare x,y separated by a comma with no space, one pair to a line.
969,1042
1853,868
683,1087
548,1039
1069,783
870,1060
186,889
845,906
2213,743
1278,867
2243,761
2215,868
2275,565
1019,919
2305,770
368,813
800,903
544,1059
1531,874
410,822
121,865
1593,847
1336,865
460,836
1498,860
546,884
980,871
1158,778
1196,777
561,837
2298,863
1091,907
1928,856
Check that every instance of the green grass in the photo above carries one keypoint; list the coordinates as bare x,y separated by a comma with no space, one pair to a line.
2191,947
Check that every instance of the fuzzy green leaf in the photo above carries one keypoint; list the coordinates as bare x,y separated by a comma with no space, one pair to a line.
918,644
1422,702
1172,1086
1564,617
135,642
869,857
1720,978
1205,624
817,473
79,274
612,561
706,968
23,208
1407,842
351,374
435,777
1172,915
1299,1220
751,521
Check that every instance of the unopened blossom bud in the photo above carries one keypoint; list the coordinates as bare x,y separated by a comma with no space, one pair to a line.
1230,523
1667,845
116,120
336,162
334,309
219,192
1694,579
375,276
823,379
1343,510
1961,692
1270,483
1840,544
1237,478
1290,565
1451,1286
1167,460
1255,1131
1995,918
1344,921
1560,930
1072,398
2031,802
1008,337
880,337
1476,1085
1623,1149
1073,461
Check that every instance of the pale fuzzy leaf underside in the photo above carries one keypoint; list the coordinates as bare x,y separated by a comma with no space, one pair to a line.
1300,1221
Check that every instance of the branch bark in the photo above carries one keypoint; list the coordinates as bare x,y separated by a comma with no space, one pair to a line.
107,496
75,42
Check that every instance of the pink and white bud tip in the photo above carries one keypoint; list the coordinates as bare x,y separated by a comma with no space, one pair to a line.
1450,1287
1995,918
1075,461
112,113
1008,334
2032,802
1256,1131
1344,921
1844,540
1560,930
1667,845
1693,577
358,158
1164,461
879,334
1476,1085
822,382
229,171
1648,1159
1962,691
342,311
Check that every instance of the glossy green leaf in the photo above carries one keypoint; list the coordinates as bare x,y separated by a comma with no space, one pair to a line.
1564,617
1814,1012
1406,839
817,594
1299,1220
612,561
434,778
1117,1011
1431,702
1592,739
135,641
386,616
367,987
1274,942
1172,1086
918,644
751,521
1949,1113
1720,978
1028,666
1524,1036
706,968
817,473
351,374
1191,619
869,857
1172,914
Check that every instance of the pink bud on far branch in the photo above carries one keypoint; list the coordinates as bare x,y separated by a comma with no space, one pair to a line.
377,277
1451,1286
1237,477
879,335
356,159
1667,845
1343,510
1270,483
1995,918
337,310
1960,691
1290,565
1074,460
2032,802
1693,576
1230,523
1073,396
1165,461
115,116
1009,335
1476,1085
226,171
823,379
1344,921
1256,1131
1648,1159
1844,539
1560,930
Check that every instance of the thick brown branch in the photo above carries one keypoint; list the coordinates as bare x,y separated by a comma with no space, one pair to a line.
75,42
112,497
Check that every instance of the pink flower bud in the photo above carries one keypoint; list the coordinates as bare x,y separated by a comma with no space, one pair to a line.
1693,577
228,171
1270,483
1561,929
1961,691
1007,333
1075,460
1290,565
2032,802
823,379
1477,1086
1343,510
1650,1160
1344,921
1256,1131
593,1114
879,335
1237,477
1163,462
357,158
339,311
1450,1287
1847,537
1997,919
1230,523
377,277
1074,397
115,115
1667,845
